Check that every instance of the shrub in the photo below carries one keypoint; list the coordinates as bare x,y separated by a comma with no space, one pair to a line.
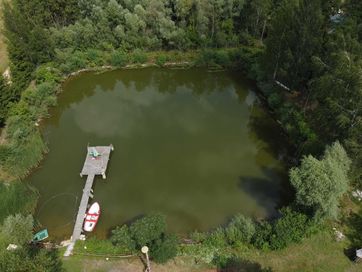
17,229
198,237
148,229
274,100
95,57
47,74
161,60
164,249
290,228
241,229
119,58
262,234
139,56
121,237
216,238
221,57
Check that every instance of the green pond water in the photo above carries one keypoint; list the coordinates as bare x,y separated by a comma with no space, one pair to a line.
192,144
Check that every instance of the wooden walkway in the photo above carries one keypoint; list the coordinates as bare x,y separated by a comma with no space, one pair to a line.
92,166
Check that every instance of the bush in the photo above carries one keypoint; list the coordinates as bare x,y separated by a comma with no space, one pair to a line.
262,234
216,238
198,237
290,228
164,249
161,60
147,229
274,100
17,229
121,237
139,56
221,57
241,229
119,58
47,74
95,57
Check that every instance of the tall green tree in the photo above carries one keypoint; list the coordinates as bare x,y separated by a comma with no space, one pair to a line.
294,37
319,184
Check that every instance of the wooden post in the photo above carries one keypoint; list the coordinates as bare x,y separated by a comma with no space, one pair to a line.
144,250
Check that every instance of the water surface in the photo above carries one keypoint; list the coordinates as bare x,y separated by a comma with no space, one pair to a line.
194,145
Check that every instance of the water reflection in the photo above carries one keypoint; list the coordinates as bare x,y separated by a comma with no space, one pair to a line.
194,145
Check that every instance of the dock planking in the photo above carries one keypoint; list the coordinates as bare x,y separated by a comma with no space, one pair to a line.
95,163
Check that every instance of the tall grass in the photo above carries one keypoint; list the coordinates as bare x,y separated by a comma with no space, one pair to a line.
16,197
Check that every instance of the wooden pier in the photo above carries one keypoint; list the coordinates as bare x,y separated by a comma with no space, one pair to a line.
95,164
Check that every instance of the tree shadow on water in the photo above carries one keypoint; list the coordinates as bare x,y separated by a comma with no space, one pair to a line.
272,191
235,264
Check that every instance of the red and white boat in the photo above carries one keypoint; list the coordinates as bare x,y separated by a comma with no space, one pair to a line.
91,217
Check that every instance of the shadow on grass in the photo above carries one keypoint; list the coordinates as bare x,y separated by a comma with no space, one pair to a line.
354,234
235,264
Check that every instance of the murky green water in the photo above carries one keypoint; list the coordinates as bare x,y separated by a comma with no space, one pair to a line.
191,144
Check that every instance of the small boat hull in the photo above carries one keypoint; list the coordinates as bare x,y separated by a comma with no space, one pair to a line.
91,217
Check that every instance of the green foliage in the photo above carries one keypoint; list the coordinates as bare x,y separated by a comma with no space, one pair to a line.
18,229
47,74
16,197
151,231
261,238
138,56
161,60
119,58
148,229
290,228
28,259
121,237
6,98
294,37
164,249
240,230
216,238
320,183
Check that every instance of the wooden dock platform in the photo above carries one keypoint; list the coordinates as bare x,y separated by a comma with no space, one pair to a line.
95,163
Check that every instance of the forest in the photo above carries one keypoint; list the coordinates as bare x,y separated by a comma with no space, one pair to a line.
305,57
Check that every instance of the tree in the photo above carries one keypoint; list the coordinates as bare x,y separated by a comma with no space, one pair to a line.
294,37
320,183
148,229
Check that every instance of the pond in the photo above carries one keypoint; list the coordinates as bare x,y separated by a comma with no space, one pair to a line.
194,145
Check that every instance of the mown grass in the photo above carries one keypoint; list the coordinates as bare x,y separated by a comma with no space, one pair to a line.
319,253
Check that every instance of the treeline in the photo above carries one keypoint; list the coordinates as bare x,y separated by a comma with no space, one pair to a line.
311,73
41,31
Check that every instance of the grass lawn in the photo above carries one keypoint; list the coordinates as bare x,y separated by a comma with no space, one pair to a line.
319,253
